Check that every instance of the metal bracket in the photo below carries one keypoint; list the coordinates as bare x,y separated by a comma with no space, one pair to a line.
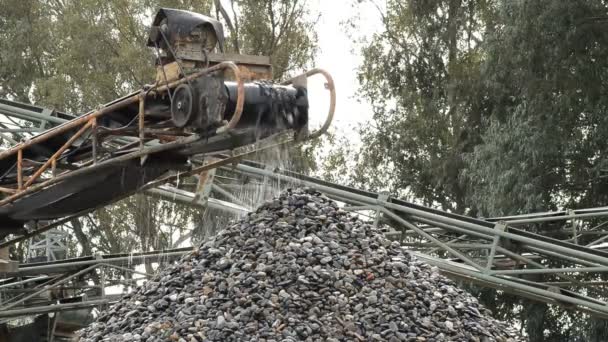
499,227
45,112
382,197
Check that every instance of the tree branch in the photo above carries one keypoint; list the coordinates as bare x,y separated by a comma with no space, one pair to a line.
81,237
233,28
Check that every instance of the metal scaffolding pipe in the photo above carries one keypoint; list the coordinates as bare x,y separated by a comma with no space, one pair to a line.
132,259
28,114
556,218
187,197
52,308
552,270
452,268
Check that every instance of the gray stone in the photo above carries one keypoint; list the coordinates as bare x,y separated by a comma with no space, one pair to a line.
299,268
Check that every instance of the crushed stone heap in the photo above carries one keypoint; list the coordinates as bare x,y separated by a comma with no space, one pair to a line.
298,269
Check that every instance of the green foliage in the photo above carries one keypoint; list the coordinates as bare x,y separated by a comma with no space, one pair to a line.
413,74
72,55
75,55
490,108
546,127
281,29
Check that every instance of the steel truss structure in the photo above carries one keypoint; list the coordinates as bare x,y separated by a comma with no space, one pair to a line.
65,285
554,257
500,253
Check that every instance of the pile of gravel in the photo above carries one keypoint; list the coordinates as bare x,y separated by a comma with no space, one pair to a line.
299,269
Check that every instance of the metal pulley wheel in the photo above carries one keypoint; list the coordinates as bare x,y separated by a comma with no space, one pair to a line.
183,106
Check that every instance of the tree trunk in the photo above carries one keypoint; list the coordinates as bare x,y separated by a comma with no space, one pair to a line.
82,238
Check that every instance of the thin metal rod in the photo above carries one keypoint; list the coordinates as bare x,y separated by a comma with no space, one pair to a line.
51,336
555,218
361,207
576,284
95,141
528,261
563,214
498,227
512,285
8,138
189,198
142,110
595,242
58,153
331,86
7,190
562,256
451,244
52,308
20,130
95,262
28,114
431,238
63,281
147,275
20,170
21,282
553,270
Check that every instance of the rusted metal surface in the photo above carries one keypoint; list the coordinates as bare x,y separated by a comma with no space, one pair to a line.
88,161
142,111
114,161
134,98
235,156
332,98
58,154
251,67
236,116
67,126
7,190
87,120
19,169
95,141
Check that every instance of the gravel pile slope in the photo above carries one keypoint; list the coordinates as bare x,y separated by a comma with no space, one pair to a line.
299,269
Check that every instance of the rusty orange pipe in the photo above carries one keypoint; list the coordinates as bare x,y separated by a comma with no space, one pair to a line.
7,190
133,99
331,86
240,98
19,169
67,126
58,153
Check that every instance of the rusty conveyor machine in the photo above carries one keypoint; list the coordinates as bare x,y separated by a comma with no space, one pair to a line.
202,103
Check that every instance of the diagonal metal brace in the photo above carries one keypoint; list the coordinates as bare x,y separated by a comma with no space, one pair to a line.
499,227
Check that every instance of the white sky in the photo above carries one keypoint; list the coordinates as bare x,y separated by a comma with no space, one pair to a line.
341,58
